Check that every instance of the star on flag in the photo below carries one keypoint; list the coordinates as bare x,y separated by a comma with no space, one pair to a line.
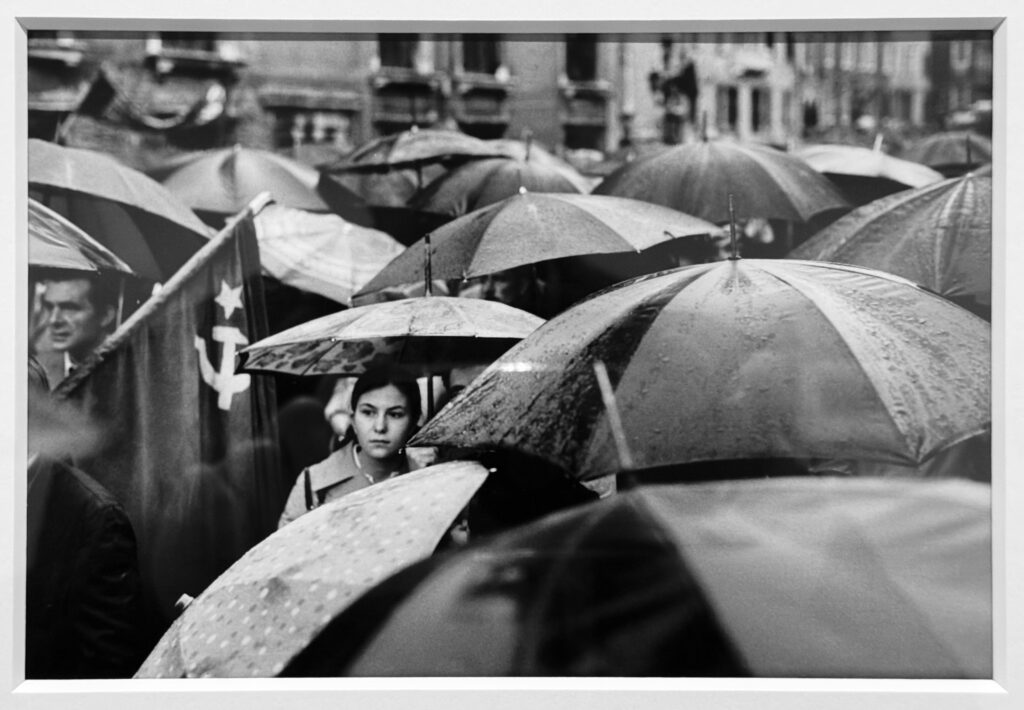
229,298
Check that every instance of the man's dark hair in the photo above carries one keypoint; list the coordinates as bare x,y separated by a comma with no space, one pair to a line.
103,290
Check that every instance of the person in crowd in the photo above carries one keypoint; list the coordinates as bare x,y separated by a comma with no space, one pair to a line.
385,410
83,590
80,310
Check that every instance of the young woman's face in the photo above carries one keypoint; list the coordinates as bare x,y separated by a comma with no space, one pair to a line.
382,422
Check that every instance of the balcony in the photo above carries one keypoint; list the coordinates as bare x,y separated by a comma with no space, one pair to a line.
164,59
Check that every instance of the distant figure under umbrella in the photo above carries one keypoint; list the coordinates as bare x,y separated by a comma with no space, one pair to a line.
385,409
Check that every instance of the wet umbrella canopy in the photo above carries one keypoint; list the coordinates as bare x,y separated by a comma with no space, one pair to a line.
225,181
123,209
429,334
823,578
865,174
952,153
529,228
736,359
321,253
697,178
267,606
54,242
412,148
530,151
939,236
485,182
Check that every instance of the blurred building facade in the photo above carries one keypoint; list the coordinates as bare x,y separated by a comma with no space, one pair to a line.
317,98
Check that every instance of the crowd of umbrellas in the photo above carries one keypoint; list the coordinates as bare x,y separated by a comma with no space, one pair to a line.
868,342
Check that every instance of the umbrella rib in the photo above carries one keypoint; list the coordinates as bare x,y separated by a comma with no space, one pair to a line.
533,628
863,366
963,192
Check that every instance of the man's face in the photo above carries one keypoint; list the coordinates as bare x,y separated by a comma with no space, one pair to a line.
76,325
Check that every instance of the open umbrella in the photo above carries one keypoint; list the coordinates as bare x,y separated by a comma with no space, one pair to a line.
222,182
529,228
939,236
321,253
56,243
413,148
625,154
429,335
736,359
952,153
268,605
388,171
529,150
802,577
865,174
485,182
697,178
123,209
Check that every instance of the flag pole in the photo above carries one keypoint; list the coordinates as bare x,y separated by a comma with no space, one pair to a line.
157,301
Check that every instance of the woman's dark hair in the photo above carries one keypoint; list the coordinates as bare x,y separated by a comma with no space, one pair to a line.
384,375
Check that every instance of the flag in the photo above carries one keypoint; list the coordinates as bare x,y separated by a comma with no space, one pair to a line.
187,445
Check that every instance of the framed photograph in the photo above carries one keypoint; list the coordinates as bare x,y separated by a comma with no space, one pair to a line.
724,415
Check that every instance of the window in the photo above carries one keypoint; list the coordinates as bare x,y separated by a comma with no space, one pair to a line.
397,50
581,57
584,137
847,54
869,56
480,54
760,109
194,41
888,57
829,60
727,100
293,128
983,57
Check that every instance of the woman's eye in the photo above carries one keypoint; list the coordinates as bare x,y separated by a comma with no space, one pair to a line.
397,414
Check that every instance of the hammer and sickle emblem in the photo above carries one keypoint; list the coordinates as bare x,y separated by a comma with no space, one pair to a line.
225,381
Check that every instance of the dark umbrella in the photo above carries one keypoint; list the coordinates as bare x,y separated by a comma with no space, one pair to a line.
430,335
485,182
410,149
730,360
820,578
530,228
55,243
697,178
939,236
952,153
388,171
223,182
123,209
528,150
864,174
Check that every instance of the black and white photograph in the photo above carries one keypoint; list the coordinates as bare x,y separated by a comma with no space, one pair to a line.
496,355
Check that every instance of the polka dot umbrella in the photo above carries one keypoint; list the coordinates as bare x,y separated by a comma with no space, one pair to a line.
274,600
